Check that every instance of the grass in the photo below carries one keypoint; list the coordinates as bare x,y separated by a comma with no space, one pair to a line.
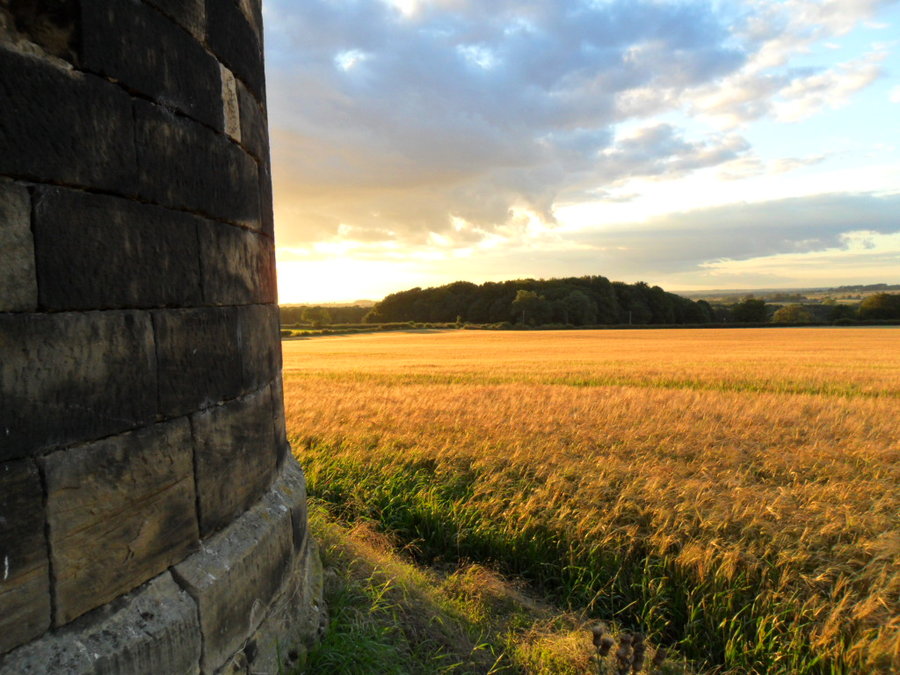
389,615
733,494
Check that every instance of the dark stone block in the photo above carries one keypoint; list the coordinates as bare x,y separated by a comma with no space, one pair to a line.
238,265
278,417
199,358
190,14
55,25
18,285
186,166
267,215
232,38
151,54
235,577
260,345
291,487
24,570
65,127
235,458
102,252
254,126
154,630
120,511
73,377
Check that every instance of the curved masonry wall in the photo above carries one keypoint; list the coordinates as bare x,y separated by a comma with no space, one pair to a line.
152,518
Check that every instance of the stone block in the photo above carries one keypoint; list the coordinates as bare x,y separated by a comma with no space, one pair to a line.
155,629
120,512
254,126
187,166
296,621
149,53
55,26
260,345
73,377
290,488
235,457
238,265
189,14
235,576
232,37
267,214
278,412
199,358
24,570
230,105
98,252
18,286
62,126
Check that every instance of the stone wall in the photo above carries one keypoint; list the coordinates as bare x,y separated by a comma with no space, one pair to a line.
152,518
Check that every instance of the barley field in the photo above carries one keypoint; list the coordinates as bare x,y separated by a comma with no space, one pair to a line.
733,494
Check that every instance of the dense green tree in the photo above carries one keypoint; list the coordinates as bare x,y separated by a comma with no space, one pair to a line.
840,312
749,310
317,316
792,314
880,306
530,308
580,310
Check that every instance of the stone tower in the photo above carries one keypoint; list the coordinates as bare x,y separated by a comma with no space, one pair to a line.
152,517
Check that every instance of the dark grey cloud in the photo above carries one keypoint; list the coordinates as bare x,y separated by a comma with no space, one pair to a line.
682,242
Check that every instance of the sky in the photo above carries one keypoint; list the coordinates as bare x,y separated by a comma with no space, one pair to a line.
696,145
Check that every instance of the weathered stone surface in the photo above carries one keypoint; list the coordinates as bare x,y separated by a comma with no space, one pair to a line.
18,287
187,166
151,54
267,214
190,14
290,488
233,39
155,629
97,252
120,511
260,344
296,621
238,265
199,359
278,411
235,576
254,126
24,570
296,616
55,26
73,377
230,106
235,458
65,127
252,9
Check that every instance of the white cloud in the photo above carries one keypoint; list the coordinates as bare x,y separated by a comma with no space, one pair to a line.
403,122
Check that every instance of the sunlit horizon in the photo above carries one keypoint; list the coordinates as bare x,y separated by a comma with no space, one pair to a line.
697,146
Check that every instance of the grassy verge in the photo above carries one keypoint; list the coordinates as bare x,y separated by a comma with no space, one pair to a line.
726,618
389,615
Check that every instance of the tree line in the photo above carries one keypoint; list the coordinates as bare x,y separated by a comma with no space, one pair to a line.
581,301
578,301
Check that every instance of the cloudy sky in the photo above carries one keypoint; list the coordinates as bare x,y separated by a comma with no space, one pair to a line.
717,144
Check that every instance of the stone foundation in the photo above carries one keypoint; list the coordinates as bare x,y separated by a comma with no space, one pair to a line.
247,601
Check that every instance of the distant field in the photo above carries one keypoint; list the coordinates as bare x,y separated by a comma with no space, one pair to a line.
732,492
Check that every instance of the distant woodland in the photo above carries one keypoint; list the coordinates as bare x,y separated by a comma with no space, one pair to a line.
581,301
591,301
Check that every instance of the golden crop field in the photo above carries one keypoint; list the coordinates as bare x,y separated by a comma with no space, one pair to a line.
735,493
